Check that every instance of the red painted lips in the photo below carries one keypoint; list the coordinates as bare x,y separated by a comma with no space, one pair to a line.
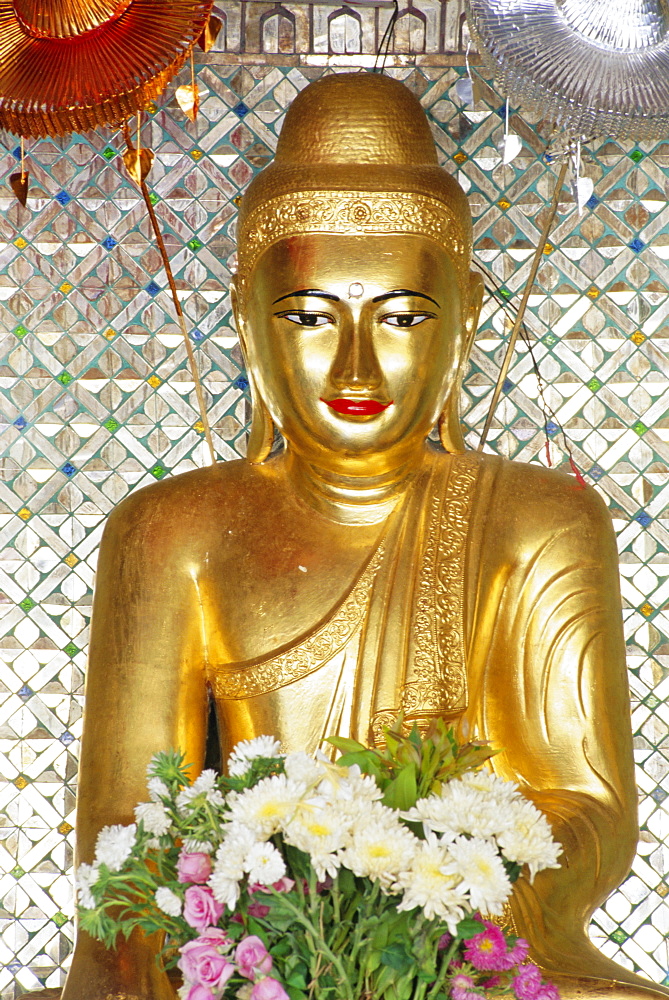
357,407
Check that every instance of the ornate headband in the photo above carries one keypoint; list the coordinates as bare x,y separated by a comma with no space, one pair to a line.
351,213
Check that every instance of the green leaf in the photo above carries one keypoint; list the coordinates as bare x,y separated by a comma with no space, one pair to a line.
402,791
468,927
512,869
395,956
345,745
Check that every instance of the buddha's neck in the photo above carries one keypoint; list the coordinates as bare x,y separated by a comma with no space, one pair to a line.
351,499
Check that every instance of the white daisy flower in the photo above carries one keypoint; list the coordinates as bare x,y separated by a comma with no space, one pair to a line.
268,805
247,750
490,784
114,845
431,884
158,790
301,767
264,864
528,839
232,853
154,817
482,872
380,850
85,876
459,809
168,901
192,846
206,782
225,890
315,830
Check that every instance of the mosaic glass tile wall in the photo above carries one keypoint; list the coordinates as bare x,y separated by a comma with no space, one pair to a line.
98,401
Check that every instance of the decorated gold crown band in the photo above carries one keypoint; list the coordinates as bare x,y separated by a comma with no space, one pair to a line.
351,213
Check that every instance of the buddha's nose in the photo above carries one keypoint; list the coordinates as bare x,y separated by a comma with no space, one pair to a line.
356,365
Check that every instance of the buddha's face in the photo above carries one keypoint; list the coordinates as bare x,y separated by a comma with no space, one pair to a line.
353,344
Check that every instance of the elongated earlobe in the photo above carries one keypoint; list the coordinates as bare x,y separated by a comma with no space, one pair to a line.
450,424
261,437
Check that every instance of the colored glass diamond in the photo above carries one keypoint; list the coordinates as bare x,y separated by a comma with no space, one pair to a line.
110,334
158,471
548,248
505,293
550,339
59,919
504,204
196,334
636,155
154,198
63,197
20,243
195,244
109,243
67,738
111,424
109,153
154,381
71,560
16,152
20,782
199,427
14,967
619,936
65,378
507,385
152,288
460,157
20,422
663,890
68,469
646,609
639,427
596,472
652,701
71,649
643,518
594,384
592,202
197,154
64,828
241,382
593,292
638,337
551,428
18,871
241,109
65,287
20,331
25,513
25,692
637,245
659,795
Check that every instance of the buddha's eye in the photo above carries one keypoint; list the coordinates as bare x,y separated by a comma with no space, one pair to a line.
406,319
307,318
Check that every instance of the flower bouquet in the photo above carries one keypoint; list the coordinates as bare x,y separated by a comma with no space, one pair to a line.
293,877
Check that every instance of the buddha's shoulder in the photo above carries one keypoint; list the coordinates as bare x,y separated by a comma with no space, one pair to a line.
213,496
529,500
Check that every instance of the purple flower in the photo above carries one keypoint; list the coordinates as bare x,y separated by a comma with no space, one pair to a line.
268,989
252,958
517,954
444,942
201,909
202,963
464,988
487,951
527,982
193,867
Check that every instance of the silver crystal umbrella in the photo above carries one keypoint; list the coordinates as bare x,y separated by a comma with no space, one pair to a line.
595,67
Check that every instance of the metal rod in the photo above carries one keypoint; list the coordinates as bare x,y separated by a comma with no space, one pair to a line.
538,253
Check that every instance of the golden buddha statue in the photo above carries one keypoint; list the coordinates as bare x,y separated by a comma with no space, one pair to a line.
360,570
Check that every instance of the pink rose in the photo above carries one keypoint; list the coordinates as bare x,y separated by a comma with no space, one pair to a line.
201,909
202,964
193,867
268,989
199,993
252,958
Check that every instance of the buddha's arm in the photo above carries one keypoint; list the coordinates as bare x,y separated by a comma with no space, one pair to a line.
550,687
145,692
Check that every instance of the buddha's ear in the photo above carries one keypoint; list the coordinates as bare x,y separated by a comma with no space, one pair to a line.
261,436
450,426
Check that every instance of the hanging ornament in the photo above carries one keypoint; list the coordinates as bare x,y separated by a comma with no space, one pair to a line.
511,144
468,88
19,180
211,31
138,161
188,95
71,65
581,187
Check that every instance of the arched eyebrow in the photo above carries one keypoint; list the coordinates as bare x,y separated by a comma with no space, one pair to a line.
308,291
404,291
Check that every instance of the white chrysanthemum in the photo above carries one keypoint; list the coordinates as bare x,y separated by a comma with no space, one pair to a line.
158,790
264,864
206,782
192,846
247,750
459,809
482,872
528,839
490,784
431,884
85,876
232,853
114,845
154,817
265,807
316,830
225,890
301,767
380,850
168,901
